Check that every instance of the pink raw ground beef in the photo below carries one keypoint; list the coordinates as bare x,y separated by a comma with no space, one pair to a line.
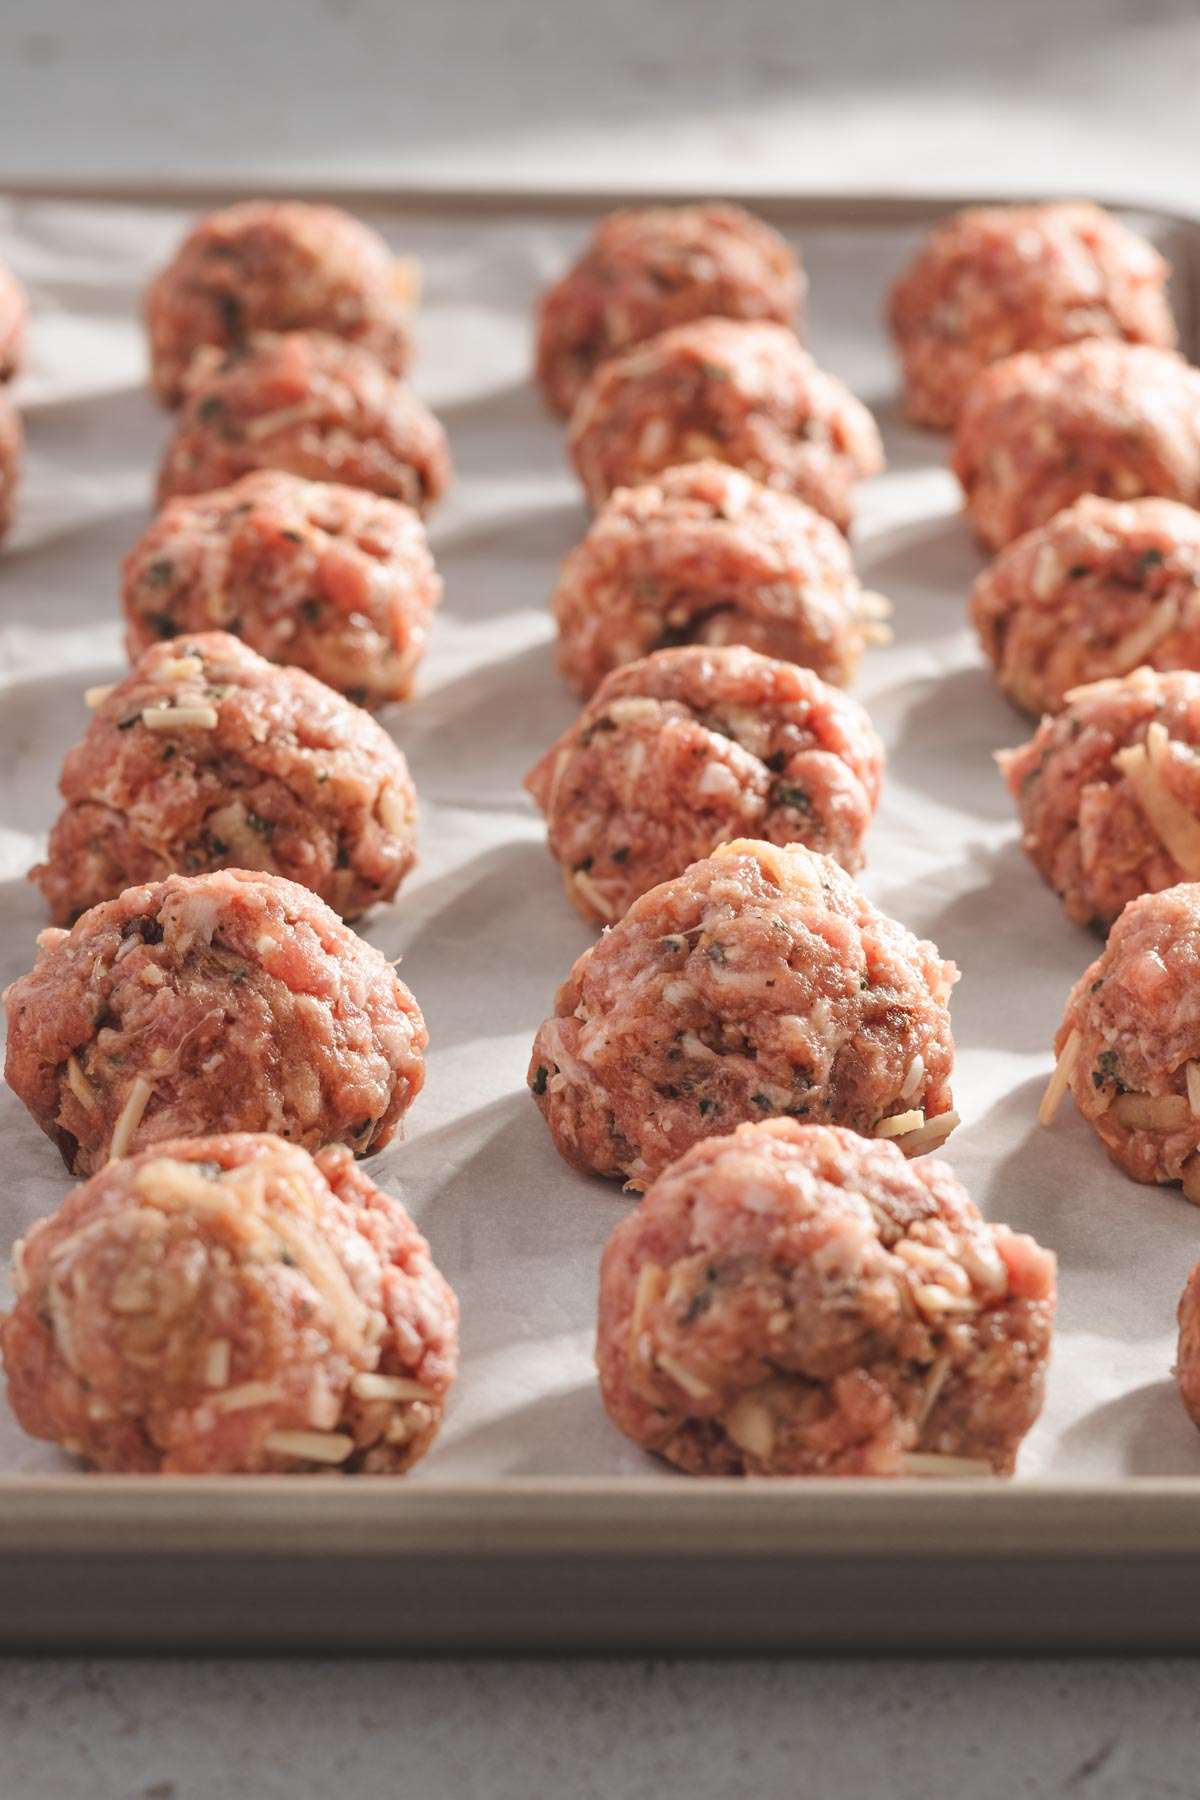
1187,1361
733,391
759,982
796,1300
228,1305
1108,793
212,1003
650,268
689,748
14,311
998,279
1039,430
311,406
10,461
207,757
268,265
1129,1043
1106,587
705,555
330,579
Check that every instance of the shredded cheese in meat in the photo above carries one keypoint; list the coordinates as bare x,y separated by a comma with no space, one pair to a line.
683,1376
245,1395
1060,1080
130,1117
751,1426
369,1386
80,1086
934,1131
1193,1088
310,1446
180,718
927,1463
1153,1112
900,1124
1143,767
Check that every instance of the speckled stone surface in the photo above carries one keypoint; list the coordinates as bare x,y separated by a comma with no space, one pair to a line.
1083,95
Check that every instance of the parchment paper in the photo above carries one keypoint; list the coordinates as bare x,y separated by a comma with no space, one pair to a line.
483,925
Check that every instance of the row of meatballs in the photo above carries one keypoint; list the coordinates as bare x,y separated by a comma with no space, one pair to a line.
771,1427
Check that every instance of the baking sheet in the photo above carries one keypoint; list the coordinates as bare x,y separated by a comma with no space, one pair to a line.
483,926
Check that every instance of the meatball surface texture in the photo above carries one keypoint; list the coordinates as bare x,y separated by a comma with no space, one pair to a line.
229,1305
735,392
759,982
212,1003
649,268
688,748
797,1300
994,280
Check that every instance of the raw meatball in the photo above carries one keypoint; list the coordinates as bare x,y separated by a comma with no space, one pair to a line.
1187,1364
270,265
1109,793
207,757
11,444
1106,586
1129,1044
225,1002
311,406
330,579
227,1306
760,981
1038,430
659,266
705,555
14,310
997,279
742,393
679,752
795,1300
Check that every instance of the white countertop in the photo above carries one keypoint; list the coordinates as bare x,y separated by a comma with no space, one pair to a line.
1070,95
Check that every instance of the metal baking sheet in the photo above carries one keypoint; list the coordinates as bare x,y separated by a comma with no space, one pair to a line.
533,1523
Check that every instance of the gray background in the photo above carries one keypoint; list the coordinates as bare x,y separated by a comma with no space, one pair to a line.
1086,95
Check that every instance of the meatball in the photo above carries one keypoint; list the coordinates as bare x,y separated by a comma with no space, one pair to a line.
1129,1044
1039,430
690,747
796,1300
760,981
1106,586
207,757
997,279
311,406
11,446
1187,1363
1108,793
739,392
647,269
228,1305
14,311
330,579
706,555
225,1002
269,265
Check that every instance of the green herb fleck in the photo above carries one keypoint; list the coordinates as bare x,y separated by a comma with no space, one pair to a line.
538,1084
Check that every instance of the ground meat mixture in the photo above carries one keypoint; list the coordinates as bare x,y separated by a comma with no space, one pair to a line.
737,392
759,982
330,579
1187,1363
277,266
796,1300
228,1305
14,311
1129,1044
207,757
311,406
1105,587
689,748
226,1002
655,267
705,555
1039,430
11,445
1108,793
998,279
